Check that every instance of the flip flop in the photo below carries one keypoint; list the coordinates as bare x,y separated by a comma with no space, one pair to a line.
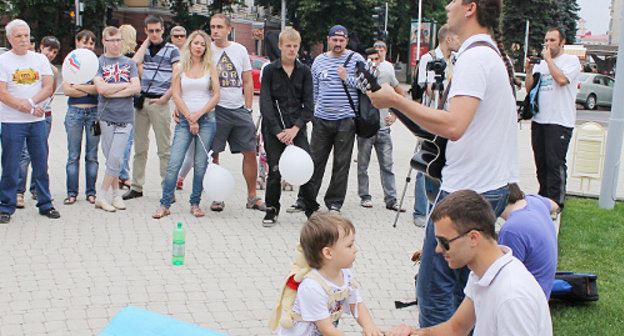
196,211
161,212
91,199
69,200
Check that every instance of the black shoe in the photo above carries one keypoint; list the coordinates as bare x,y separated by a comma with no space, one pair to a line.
50,213
270,219
5,218
295,208
130,194
334,208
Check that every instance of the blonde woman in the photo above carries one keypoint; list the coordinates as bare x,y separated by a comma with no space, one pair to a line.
195,88
128,46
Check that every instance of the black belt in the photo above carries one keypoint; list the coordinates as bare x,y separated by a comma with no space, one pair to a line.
118,124
151,95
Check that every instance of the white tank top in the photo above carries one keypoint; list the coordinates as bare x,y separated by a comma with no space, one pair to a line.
195,91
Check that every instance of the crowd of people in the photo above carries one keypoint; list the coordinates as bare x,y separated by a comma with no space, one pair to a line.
467,281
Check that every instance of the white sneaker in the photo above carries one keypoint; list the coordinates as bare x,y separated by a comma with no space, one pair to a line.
104,205
118,203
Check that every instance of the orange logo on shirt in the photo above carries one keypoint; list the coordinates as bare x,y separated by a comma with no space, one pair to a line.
26,76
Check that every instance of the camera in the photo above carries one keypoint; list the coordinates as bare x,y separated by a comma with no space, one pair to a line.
534,60
437,65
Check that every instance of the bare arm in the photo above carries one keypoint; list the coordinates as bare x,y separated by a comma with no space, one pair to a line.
327,328
130,90
20,104
365,320
557,74
460,324
56,73
107,89
398,89
140,53
87,88
451,124
216,93
46,89
71,90
176,90
248,89
528,79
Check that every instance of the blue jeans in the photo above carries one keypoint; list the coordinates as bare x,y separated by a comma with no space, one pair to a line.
124,174
13,137
383,147
420,196
181,140
25,162
78,121
440,289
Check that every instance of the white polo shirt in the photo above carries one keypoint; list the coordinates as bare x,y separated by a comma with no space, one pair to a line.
508,300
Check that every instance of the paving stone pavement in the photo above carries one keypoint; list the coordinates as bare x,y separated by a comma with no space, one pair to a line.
71,276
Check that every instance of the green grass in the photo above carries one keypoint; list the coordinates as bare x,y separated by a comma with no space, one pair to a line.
592,240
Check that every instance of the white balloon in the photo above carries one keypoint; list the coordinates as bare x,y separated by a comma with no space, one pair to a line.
296,165
218,183
80,66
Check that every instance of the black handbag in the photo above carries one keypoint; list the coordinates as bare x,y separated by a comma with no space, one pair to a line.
366,115
95,128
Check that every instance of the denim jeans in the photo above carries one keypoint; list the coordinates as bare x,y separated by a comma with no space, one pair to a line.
124,174
13,137
181,140
25,162
338,135
420,196
383,147
78,121
440,289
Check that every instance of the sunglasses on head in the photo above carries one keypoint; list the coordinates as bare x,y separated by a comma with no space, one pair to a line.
377,45
446,243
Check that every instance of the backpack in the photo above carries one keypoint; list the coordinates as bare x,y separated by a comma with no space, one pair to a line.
282,313
575,287
530,106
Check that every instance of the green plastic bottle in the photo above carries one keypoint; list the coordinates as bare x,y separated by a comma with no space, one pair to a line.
179,240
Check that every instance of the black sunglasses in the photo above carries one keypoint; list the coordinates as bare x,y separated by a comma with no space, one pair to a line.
179,36
446,243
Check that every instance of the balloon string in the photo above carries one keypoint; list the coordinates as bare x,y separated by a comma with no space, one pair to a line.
209,153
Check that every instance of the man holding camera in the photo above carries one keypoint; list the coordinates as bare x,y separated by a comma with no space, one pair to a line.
448,44
382,141
552,127
156,57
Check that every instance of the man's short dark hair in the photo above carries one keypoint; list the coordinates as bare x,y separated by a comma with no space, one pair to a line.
85,33
562,35
467,210
371,51
50,42
151,19
443,33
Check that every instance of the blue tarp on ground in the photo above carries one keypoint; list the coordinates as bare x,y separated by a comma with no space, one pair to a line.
133,321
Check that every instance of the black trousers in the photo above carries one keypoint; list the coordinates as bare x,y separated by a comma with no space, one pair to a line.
274,149
338,135
550,145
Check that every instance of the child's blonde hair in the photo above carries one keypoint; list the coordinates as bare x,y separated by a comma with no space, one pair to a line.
322,230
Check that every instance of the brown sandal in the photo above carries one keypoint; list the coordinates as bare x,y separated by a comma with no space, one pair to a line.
20,201
69,200
91,199
196,211
161,212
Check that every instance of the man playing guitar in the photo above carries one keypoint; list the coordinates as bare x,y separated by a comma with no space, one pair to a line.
482,151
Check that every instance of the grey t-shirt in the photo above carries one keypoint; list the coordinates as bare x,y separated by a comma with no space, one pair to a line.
116,70
386,75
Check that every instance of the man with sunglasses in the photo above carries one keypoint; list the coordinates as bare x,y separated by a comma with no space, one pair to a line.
178,36
155,59
502,297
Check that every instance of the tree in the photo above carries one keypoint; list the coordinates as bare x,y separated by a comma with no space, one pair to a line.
542,15
52,17
192,21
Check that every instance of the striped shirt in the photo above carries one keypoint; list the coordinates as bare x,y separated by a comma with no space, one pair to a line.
329,96
162,80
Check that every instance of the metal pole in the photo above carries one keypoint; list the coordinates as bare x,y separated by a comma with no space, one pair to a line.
526,41
77,11
283,14
419,28
613,151
386,23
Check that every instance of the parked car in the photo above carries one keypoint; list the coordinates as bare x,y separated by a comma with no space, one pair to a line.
257,62
595,90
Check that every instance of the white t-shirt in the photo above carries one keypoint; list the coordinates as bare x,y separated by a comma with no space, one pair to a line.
311,304
386,75
425,76
486,156
23,76
231,62
557,104
508,300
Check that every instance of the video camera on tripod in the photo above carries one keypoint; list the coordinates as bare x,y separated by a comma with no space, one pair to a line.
437,65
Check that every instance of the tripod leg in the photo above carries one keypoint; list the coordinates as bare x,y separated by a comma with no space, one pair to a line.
407,181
